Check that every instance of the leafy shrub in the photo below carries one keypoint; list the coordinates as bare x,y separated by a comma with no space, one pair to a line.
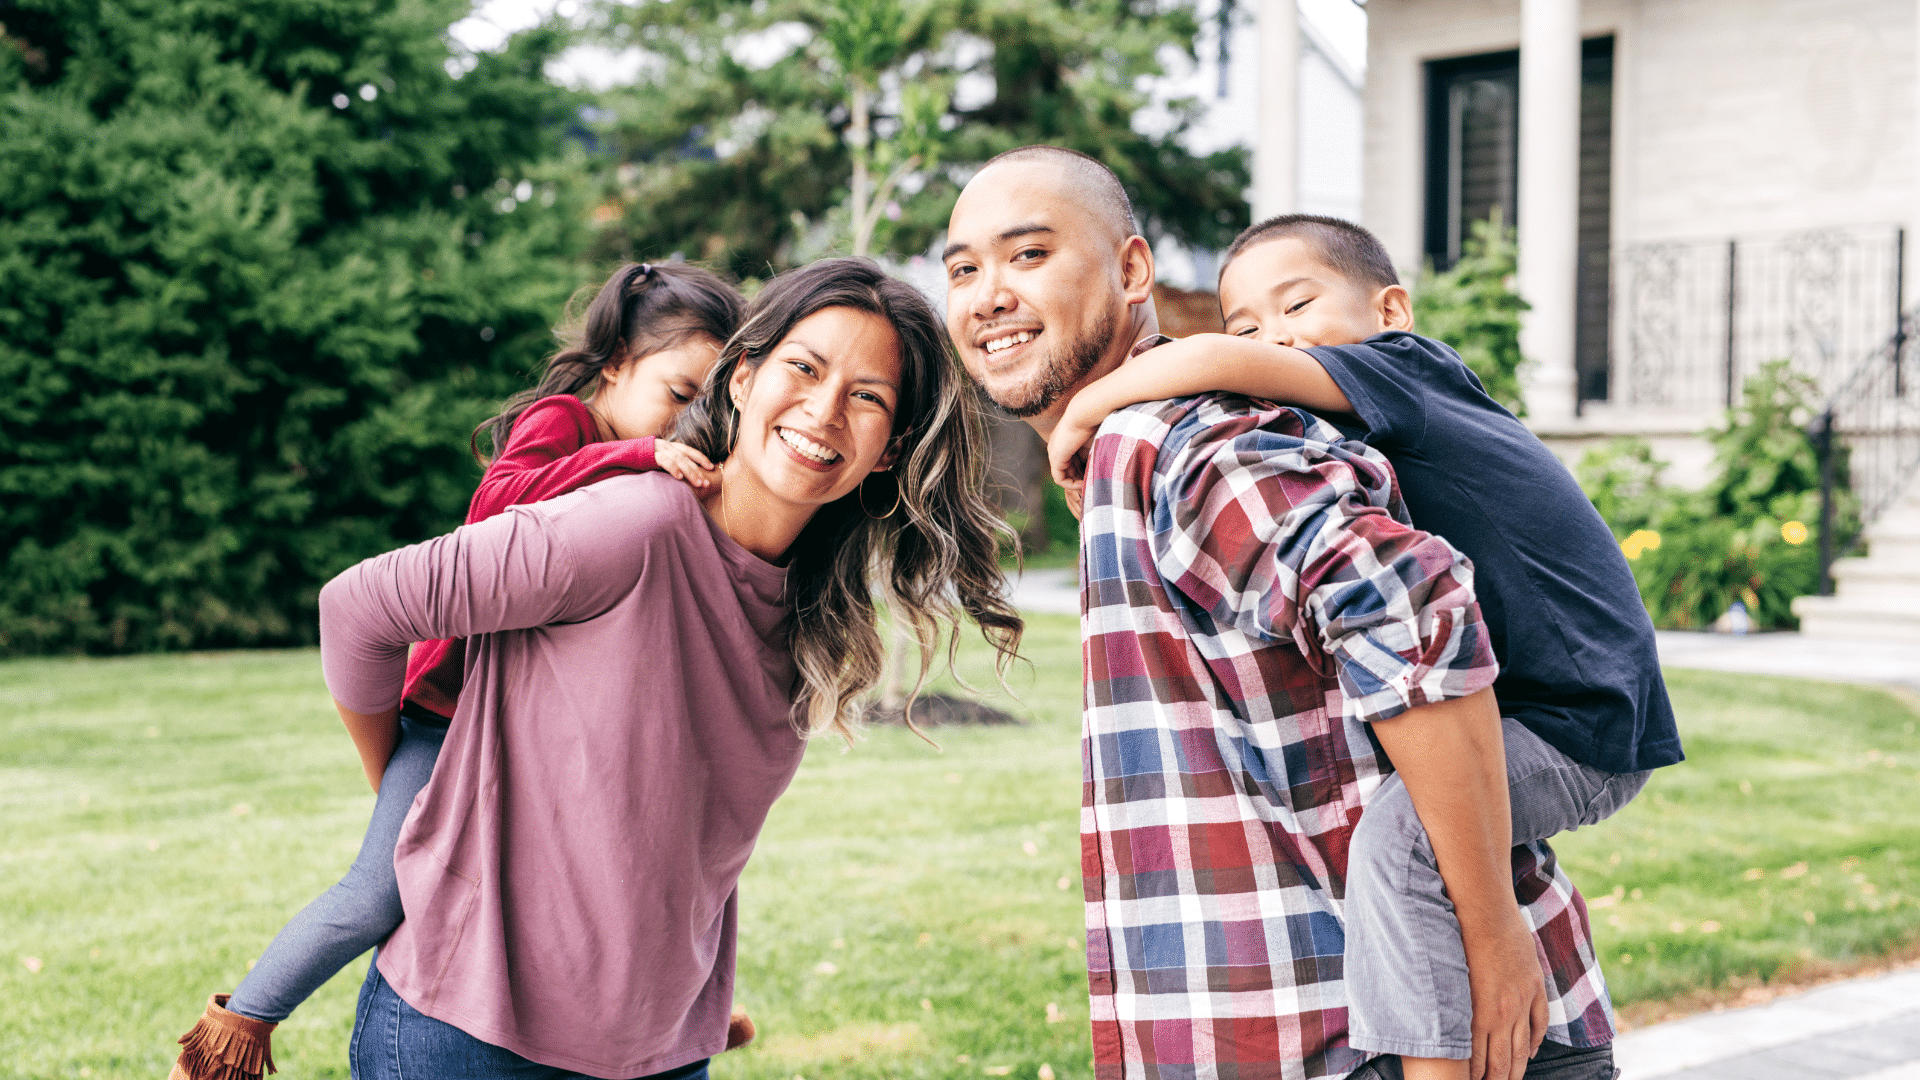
1747,536
265,264
1473,308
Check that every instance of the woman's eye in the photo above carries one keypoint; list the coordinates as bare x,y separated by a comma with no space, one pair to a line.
1245,331
680,397
802,365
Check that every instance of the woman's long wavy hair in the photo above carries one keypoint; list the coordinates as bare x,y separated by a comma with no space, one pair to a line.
932,559
643,308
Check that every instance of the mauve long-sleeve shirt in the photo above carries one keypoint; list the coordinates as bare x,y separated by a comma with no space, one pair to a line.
568,874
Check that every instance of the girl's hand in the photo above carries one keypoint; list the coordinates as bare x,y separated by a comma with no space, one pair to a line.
683,462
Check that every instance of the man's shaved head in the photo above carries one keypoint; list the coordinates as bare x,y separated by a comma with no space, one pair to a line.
1044,269
1104,195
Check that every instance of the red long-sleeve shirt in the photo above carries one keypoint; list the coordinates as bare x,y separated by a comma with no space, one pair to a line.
553,449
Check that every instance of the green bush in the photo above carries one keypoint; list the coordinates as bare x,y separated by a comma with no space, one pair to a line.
265,264
1474,308
1749,535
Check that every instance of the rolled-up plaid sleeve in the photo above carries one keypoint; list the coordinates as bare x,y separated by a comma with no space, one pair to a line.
1270,523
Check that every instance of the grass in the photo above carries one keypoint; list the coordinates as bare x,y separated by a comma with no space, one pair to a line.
161,817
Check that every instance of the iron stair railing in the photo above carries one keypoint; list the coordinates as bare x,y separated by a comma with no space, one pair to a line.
1871,425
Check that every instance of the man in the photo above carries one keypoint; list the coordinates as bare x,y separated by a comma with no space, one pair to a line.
1257,614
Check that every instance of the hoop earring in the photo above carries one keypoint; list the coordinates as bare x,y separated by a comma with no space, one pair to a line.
860,495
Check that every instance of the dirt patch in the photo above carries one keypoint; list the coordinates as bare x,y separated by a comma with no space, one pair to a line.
945,710
1743,991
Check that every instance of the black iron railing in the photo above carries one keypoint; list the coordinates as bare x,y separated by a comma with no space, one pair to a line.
1696,318
1870,430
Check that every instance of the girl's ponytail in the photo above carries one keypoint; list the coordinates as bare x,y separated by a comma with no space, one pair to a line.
643,308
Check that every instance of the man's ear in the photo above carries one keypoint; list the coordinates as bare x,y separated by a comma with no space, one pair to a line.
1136,269
1394,308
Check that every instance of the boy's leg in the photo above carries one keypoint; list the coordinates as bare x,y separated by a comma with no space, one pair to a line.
357,912
1550,793
1406,969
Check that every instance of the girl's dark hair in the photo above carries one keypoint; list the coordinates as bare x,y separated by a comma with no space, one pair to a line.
643,308
933,559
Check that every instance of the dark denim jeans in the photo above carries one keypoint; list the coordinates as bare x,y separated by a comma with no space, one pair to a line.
392,1039
1553,1062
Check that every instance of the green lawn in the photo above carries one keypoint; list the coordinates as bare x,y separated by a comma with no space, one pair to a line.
909,912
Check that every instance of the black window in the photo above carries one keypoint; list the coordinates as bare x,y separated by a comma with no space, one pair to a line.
1473,142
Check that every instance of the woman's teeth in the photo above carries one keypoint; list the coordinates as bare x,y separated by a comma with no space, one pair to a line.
807,448
1018,338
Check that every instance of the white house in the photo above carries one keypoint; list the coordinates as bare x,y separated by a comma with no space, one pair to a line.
1699,186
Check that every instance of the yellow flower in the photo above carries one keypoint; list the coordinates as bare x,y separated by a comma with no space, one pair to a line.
1640,541
1793,532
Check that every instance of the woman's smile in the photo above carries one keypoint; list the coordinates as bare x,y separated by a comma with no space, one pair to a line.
810,452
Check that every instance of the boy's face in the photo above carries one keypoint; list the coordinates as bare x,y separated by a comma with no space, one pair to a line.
1279,292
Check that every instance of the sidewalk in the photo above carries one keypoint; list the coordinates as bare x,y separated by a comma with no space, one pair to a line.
1864,1029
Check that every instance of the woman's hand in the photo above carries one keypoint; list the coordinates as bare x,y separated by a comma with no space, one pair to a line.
683,462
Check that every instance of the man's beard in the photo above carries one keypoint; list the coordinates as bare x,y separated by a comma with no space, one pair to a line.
1065,368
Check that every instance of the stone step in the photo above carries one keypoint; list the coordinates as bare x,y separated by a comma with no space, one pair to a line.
1876,573
1858,619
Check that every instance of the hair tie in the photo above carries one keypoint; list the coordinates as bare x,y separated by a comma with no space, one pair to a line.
639,274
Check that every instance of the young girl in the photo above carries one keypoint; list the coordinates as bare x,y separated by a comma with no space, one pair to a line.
636,358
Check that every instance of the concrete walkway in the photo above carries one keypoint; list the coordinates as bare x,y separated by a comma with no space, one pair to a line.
1864,1029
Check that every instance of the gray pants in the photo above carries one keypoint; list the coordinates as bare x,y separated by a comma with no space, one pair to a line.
1406,970
357,913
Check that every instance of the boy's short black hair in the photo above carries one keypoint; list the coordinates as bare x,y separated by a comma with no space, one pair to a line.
1346,248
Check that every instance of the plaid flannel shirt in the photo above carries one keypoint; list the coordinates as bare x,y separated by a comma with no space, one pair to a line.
1252,598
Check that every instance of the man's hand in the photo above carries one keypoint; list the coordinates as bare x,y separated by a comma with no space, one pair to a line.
682,462
1509,998
1452,757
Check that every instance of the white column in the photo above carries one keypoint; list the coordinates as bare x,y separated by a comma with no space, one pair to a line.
1549,211
1913,170
1276,152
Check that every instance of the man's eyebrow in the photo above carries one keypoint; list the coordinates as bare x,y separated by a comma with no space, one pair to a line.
1028,229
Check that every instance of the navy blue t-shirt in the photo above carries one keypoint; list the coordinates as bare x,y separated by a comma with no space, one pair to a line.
1578,665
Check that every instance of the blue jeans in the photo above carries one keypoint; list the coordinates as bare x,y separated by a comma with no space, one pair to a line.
392,1039
360,910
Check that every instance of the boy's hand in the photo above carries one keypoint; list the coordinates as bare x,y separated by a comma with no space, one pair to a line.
1165,371
682,462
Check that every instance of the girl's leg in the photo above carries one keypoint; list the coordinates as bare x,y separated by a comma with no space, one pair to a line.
357,912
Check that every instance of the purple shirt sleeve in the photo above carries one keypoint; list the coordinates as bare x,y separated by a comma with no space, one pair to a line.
512,571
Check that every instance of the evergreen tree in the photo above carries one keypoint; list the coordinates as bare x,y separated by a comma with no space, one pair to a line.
758,136
1473,307
264,264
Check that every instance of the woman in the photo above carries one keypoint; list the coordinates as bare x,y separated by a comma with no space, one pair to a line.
644,661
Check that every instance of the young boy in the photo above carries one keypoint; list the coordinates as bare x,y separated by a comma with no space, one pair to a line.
1316,317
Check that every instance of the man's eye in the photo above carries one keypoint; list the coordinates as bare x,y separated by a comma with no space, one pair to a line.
1298,304
1029,254
959,272
1246,331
